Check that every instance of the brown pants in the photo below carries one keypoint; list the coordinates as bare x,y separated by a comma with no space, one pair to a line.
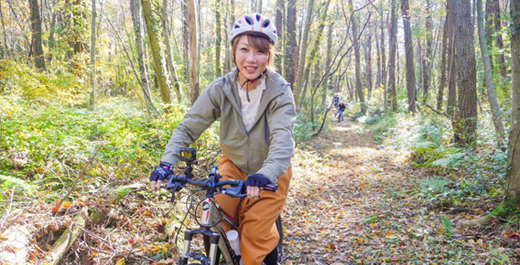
257,229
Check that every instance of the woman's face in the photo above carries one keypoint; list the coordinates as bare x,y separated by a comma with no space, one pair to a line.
250,60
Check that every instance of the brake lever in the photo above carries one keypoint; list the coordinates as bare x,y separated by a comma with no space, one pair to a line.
235,192
173,187
271,187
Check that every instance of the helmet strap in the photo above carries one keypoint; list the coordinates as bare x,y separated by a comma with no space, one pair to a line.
250,81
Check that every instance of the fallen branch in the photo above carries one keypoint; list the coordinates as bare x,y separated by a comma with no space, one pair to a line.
57,207
67,239
436,111
478,221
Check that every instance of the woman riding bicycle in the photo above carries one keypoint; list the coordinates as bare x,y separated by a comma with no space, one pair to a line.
257,113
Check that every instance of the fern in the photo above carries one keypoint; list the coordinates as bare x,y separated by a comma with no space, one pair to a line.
450,161
448,226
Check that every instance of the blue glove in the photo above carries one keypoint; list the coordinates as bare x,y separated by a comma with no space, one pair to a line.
257,180
163,171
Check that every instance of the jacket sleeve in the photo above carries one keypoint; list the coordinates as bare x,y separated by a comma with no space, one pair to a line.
202,114
282,116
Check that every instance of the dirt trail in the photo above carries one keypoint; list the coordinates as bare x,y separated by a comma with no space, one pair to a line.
348,203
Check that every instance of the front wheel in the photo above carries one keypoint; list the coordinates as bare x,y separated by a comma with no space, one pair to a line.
279,227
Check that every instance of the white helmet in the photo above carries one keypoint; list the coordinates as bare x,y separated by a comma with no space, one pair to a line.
255,23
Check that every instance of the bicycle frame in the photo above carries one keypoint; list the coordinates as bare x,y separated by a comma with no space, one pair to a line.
215,235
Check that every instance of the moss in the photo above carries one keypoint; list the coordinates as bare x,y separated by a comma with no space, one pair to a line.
506,209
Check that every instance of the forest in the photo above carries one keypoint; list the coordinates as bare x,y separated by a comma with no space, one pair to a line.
424,169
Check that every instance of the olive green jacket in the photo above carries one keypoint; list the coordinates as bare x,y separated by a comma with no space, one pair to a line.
267,148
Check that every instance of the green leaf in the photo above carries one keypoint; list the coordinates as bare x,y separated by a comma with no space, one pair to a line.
372,219
447,225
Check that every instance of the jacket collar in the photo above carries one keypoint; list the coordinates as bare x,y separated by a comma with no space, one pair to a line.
275,85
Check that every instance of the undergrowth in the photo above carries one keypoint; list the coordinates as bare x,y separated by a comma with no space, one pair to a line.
459,176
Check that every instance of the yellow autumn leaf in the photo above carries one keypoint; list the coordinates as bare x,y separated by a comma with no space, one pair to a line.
390,234
120,261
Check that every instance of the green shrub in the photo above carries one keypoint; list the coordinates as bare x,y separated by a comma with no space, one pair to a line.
304,128
49,145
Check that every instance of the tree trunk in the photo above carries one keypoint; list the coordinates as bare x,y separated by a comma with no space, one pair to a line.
444,52
452,72
230,22
378,60
136,18
4,50
493,28
290,54
303,52
218,38
428,59
314,48
93,55
357,56
383,59
328,78
392,95
36,39
170,62
490,84
77,13
513,173
466,123
368,58
280,7
193,50
156,52
410,69
260,4
185,35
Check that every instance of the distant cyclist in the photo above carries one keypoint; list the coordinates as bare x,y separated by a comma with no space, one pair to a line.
335,101
341,109
256,109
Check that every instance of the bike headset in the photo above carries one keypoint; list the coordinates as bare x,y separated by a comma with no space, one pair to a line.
258,26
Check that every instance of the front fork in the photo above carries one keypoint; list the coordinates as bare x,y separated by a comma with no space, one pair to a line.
212,257
206,218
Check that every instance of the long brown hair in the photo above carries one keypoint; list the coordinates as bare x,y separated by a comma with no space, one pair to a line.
261,43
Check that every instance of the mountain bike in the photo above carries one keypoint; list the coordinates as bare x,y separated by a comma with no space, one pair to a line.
216,243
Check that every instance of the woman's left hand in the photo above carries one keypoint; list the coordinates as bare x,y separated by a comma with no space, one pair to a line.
254,182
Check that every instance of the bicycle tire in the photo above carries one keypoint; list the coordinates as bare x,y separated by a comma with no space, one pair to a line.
279,227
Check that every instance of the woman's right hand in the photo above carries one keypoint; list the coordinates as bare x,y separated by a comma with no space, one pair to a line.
162,172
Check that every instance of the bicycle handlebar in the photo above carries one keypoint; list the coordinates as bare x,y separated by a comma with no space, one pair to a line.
236,188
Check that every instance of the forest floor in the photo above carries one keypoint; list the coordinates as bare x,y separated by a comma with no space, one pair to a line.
354,201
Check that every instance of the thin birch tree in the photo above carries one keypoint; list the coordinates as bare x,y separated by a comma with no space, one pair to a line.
193,50
488,72
170,64
156,52
392,43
